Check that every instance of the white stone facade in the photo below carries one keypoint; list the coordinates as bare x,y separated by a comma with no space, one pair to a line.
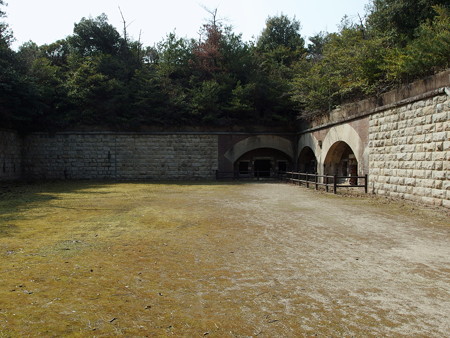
409,151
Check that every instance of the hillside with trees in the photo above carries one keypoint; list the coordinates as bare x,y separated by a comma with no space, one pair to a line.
99,78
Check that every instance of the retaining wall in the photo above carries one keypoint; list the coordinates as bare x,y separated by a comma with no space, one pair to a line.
10,155
120,156
409,151
402,140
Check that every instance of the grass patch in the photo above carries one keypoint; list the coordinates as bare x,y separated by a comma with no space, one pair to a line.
191,259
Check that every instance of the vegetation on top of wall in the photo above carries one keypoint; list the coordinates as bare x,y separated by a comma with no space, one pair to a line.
99,78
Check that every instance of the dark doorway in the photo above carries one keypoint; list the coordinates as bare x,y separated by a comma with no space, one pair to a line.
307,162
262,162
282,166
244,168
262,168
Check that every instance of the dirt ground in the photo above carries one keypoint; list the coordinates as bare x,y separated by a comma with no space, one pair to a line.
219,260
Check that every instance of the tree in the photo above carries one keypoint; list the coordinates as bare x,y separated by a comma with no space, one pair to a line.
57,52
278,48
281,31
18,98
428,53
351,65
206,52
317,45
149,102
397,20
173,65
95,36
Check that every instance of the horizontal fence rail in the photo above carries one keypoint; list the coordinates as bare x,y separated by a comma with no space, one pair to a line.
328,181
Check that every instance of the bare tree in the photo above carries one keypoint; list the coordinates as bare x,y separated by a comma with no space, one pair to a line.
125,26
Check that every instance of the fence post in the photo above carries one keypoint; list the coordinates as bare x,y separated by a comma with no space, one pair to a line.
365,183
326,183
316,180
335,184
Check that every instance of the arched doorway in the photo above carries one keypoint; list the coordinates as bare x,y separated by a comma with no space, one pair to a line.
341,161
262,162
307,162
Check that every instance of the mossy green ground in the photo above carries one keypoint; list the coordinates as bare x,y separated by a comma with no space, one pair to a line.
141,259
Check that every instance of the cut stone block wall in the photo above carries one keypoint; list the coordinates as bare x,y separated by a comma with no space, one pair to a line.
409,151
10,155
120,156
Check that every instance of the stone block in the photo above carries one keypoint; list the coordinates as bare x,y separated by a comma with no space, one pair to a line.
438,156
441,136
427,183
440,127
410,181
431,201
438,193
402,189
446,203
418,156
418,173
446,147
417,139
428,128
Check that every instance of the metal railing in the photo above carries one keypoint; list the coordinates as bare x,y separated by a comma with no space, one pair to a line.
328,181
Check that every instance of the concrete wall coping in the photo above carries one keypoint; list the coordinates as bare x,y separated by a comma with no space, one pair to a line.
421,89
159,133
359,115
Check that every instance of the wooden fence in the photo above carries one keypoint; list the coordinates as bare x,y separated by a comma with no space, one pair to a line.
328,181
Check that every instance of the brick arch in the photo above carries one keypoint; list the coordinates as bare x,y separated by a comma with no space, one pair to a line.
257,142
344,133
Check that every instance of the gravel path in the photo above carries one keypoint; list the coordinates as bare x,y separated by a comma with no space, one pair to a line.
309,263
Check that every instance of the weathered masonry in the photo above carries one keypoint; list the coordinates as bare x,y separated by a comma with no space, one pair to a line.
152,155
401,140
119,156
10,155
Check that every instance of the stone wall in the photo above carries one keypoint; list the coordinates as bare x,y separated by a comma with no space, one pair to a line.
10,155
156,156
409,151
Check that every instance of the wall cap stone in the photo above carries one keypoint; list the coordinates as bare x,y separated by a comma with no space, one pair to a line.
438,84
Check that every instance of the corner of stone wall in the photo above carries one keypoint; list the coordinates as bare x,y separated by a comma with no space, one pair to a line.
10,155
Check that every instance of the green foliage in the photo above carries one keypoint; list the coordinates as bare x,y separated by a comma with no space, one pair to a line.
397,20
95,36
360,60
281,31
317,45
427,53
97,78
18,96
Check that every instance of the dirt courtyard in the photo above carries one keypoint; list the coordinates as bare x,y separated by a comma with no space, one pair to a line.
219,260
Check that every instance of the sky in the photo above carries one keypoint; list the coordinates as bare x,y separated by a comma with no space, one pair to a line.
46,21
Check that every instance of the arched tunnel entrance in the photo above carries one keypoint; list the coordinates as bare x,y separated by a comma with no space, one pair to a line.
307,162
262,162
341,161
